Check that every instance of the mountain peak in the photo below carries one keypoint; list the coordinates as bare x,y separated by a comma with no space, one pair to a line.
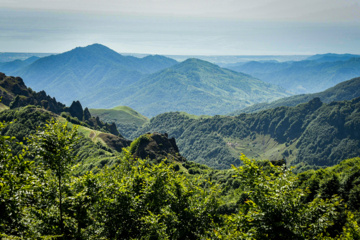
195,64
95,48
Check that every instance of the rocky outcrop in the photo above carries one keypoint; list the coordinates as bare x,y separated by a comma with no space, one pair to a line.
15,94
87,114
115,142
76,110
156,146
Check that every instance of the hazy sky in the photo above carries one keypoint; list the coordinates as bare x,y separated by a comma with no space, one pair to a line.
206,27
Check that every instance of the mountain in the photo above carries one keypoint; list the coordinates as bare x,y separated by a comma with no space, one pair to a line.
16,64
332,57
309,134
101,78
343,91
306,76
127,120
86,71
194,86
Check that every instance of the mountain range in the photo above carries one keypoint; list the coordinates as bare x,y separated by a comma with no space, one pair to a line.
101,78
194,86
346,90
314,74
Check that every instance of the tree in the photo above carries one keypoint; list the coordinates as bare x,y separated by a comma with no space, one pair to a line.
139,200
53,146
15,185
274,208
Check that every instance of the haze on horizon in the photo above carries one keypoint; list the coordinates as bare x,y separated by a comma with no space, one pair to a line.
182,27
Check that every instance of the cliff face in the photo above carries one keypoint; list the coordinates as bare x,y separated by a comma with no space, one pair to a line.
156,146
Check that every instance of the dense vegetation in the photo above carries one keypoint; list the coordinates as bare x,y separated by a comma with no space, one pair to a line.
92,150
343,91
300,76
42,197
310,134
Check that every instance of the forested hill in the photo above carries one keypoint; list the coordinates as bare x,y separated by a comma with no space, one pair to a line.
343,91
313,133
196,87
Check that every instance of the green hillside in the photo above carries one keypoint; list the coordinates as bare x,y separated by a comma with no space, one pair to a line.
196,87
126,119
343,91
310,134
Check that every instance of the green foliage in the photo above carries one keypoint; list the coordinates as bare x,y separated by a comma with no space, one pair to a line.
53,146
136,199
274,207
153,201
15,184
29,118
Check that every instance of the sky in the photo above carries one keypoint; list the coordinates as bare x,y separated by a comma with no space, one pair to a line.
182,27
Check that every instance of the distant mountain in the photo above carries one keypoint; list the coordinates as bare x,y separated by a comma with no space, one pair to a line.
306,76
343,91
332,57
12,56
194,86
86,71
126,119
310,134
101,78
16,64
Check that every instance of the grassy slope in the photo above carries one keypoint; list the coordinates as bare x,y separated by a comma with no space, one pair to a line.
126,119
3,107
87,132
